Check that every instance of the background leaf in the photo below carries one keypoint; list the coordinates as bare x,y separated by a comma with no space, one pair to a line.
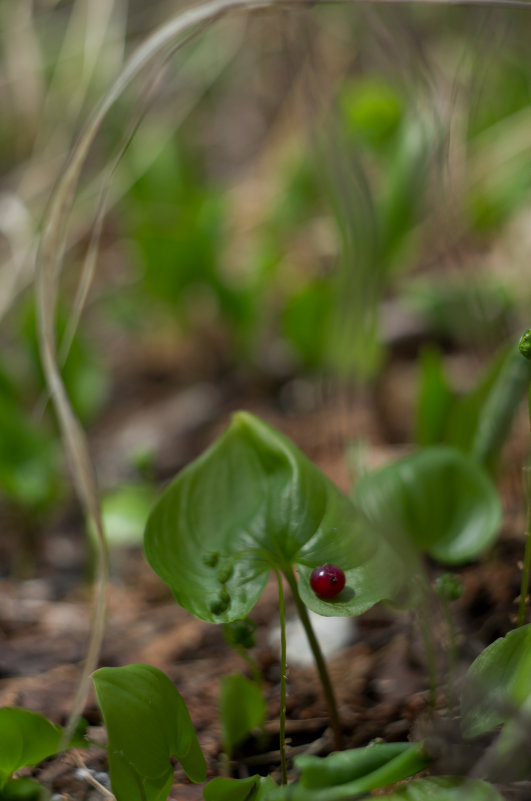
242,709
498,683
147,722
438,500
251,502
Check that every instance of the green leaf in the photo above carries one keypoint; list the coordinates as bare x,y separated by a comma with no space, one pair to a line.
255,502
446,788
255,788
147,723
438,499
343,776
435,399
24,789
498,683
26,738
345,766
242,709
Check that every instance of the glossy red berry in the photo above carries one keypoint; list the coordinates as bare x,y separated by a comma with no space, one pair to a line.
327,581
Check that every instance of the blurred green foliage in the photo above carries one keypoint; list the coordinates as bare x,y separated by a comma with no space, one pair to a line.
350,225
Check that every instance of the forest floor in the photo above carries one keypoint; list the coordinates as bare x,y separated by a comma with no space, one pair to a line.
379,668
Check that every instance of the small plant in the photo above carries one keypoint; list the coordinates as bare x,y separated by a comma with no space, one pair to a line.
147,723
26,738
253,503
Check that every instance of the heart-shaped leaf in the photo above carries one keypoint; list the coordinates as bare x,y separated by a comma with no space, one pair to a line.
147,723
446,788
437,500
250,503
26,738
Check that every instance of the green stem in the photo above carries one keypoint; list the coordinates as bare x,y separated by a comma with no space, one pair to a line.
425,633
283,672
452,651
524,588
319,661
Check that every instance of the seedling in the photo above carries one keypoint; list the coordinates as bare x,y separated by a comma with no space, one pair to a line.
147,723
252,504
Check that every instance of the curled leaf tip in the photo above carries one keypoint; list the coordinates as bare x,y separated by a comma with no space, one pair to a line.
525,344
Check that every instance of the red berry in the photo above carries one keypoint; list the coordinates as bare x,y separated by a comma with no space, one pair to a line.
327,581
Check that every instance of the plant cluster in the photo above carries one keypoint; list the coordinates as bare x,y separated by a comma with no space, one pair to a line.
252,505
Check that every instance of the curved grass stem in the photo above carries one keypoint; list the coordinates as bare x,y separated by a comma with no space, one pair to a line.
319,661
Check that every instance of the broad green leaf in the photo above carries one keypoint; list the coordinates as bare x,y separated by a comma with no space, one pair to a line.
343,776
147,723
26,738
256,788
498,683
242,708
438,499
446,788
250,503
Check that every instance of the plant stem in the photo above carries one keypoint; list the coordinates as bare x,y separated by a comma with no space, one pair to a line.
524,588
431,663
452,651
283,672
319,661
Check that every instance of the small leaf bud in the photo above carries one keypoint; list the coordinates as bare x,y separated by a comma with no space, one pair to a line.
449,587
525,344
211,558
